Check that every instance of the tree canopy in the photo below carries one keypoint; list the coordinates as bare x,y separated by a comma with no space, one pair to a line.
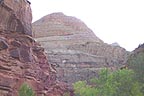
118,83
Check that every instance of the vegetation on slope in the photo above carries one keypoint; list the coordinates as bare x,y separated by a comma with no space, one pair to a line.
118,83
26,90
136,63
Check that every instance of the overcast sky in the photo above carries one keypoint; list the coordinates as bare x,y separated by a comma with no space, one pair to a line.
120,21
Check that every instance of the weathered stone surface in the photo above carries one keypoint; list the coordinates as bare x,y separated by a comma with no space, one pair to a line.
16,43
22,53
15,16
74,48
21,58
3,44
25,54
14,53
29,64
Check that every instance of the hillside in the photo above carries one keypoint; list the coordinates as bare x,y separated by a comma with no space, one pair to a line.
77,52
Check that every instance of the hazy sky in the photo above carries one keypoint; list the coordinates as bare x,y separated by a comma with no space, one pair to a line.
119,21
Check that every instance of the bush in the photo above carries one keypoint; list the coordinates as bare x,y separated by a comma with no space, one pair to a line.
26,90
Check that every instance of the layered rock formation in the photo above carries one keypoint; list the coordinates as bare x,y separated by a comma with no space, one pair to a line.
15,16
74,48
21,58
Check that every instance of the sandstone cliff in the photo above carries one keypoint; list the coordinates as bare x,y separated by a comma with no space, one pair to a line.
21,58
74,48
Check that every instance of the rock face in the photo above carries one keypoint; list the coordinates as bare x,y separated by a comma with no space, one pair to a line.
74,48
21,58
15,16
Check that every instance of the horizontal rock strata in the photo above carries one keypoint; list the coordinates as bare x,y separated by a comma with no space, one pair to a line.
74,48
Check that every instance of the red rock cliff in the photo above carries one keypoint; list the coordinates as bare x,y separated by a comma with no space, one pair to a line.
21,58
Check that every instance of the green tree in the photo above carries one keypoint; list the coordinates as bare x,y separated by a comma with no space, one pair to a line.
26,90
136,62
82,89
118,83
125,83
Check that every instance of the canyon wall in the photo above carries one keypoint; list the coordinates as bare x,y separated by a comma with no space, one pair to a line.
22,59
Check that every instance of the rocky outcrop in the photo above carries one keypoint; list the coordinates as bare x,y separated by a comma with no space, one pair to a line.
115,44
15,16
74,48
22,59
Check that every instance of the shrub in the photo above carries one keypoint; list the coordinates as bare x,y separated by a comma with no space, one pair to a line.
26,90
